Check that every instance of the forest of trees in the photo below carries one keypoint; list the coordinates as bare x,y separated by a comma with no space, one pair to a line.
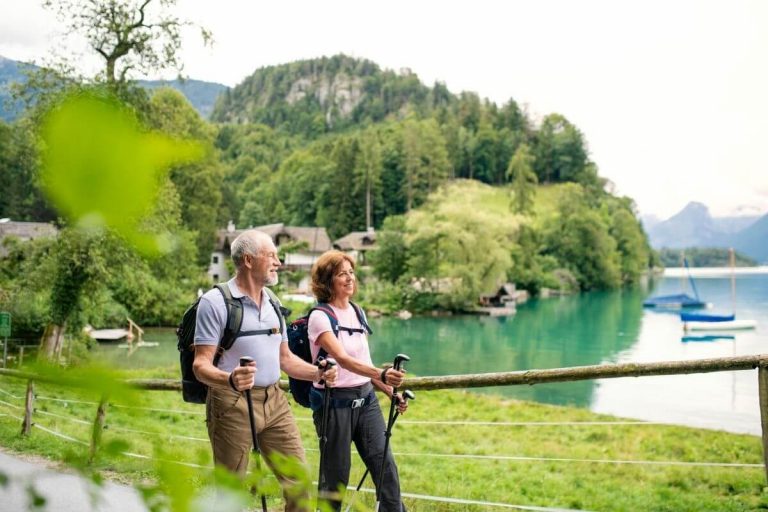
334,142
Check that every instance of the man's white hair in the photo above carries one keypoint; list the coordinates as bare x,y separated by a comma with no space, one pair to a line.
250,241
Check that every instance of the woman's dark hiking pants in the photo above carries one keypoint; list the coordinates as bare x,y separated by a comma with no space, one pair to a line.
363,424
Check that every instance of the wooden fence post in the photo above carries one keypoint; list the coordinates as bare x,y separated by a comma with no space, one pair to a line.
98,428
29,406
762,386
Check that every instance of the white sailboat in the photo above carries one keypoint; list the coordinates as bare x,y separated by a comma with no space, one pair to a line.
719,322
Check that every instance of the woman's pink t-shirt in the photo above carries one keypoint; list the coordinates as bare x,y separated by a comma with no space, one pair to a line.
355,344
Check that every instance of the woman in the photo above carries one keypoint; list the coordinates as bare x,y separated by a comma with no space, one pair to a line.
353,413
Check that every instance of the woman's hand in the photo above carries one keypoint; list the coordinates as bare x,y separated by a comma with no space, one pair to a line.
326,373
392,377
402,403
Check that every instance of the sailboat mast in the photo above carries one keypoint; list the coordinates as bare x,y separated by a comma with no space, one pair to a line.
732,263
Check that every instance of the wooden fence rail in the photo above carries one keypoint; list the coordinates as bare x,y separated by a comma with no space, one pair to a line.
529,377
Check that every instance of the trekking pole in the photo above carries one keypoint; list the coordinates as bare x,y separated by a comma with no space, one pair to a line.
329,363
399,360
408,395
245,361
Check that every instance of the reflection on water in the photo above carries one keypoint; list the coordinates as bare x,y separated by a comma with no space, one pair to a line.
593,328
551,333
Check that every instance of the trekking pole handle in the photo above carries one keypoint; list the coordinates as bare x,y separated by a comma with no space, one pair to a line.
329,363
399,360
245,360
398,365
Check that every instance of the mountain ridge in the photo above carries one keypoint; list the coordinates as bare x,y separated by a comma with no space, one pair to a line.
201,94
694,226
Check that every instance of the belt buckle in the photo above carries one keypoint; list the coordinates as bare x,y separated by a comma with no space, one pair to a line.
358,403
275,330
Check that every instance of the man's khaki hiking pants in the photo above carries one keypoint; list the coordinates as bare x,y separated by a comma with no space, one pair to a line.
229,430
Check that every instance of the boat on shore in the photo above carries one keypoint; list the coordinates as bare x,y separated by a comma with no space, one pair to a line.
109,335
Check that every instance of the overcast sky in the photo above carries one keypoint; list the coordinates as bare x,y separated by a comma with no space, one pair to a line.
671,96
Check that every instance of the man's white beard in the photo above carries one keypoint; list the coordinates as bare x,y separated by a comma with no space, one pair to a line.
272,281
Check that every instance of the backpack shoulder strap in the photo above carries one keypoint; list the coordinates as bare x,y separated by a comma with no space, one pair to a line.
325,308
361,317
234,317
279,309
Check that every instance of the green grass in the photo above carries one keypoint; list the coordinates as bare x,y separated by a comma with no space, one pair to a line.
421,451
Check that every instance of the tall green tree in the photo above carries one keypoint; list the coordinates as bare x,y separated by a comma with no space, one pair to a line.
21,198
390,257
560,151
369,171
198,183
523,178
425,160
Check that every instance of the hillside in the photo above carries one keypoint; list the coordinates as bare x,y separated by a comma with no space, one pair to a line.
11,72
311,97
753,240
202,95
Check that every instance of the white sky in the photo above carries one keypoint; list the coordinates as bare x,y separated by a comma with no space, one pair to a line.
671,95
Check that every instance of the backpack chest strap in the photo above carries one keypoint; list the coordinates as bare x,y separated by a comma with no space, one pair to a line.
350,330
258,332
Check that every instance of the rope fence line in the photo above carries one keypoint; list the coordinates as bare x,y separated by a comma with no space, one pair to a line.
54,415
469,423
447,455
525,423
595,461
151,409
9,394
8,404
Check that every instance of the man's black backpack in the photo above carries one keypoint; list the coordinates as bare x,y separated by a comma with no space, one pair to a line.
192,390
298,343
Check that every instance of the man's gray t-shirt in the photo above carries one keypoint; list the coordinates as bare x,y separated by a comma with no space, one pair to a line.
263,348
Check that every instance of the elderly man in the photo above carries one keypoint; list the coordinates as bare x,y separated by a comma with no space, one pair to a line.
256,261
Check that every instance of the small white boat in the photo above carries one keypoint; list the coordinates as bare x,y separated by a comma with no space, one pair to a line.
108,334
718,322
732,325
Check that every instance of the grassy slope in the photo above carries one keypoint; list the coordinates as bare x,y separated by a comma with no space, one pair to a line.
578,485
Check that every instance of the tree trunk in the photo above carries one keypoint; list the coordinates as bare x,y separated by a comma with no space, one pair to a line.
50,344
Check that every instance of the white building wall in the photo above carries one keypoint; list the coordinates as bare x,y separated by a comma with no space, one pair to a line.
217,268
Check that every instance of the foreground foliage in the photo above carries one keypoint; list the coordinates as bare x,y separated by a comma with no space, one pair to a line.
459,460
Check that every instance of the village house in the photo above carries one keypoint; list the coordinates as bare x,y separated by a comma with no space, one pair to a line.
313,242
23,231
357,244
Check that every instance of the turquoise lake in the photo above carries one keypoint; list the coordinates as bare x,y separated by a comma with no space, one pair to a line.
586,329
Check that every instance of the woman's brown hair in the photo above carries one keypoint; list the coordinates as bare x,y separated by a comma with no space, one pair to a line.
323,271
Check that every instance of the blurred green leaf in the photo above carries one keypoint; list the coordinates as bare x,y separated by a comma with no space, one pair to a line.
101,169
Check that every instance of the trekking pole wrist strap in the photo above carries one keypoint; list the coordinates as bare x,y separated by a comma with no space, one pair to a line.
383,376
232,382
